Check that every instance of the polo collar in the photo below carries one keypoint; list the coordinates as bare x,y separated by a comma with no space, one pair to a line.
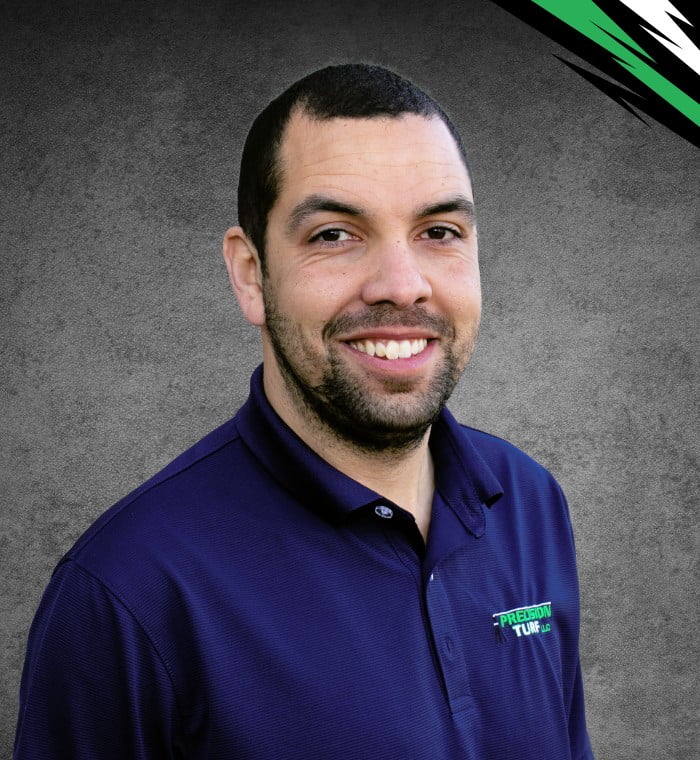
464,480
462,477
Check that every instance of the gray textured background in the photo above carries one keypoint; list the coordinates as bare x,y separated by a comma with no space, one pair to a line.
121,130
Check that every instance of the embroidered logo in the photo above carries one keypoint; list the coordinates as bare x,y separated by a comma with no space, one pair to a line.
524,621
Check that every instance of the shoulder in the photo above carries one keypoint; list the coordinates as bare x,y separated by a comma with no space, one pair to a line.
516,470
153,554
531,518
185,496
501,452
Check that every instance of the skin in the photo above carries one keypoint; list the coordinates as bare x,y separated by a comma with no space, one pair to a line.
372,237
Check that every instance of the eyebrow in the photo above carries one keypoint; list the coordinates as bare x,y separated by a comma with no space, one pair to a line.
459,203
315,203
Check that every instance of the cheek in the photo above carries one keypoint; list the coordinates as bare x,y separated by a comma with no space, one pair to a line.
314,297
460,290
467,314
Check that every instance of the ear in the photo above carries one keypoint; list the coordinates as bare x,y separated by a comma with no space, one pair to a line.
245,274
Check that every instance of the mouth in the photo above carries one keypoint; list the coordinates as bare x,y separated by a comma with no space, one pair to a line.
390,350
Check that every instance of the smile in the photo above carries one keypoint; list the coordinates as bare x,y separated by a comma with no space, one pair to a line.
390,349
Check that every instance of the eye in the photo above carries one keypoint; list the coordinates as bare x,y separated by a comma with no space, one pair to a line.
332,235
440,233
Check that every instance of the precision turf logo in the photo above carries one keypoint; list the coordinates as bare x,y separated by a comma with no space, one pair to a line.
523,621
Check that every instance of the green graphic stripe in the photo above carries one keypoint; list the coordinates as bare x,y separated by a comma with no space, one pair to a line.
588,19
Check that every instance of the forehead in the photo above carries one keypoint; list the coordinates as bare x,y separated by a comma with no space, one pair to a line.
381,160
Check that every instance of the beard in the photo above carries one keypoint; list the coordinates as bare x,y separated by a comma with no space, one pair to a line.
394,419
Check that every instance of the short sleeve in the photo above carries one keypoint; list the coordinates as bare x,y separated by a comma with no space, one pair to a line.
93,685
580,743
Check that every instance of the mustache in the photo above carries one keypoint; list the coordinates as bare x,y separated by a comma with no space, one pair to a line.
386,315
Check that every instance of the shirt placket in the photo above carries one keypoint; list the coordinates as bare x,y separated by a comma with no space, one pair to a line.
448,646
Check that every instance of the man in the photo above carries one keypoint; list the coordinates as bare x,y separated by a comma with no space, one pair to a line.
342,570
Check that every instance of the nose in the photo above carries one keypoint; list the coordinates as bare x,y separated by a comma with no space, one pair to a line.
394,276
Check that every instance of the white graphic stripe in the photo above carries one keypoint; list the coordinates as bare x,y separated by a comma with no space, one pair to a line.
658,14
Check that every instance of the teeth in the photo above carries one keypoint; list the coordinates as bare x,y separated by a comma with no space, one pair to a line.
391,349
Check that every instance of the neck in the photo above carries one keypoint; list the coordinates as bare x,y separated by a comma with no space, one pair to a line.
404,475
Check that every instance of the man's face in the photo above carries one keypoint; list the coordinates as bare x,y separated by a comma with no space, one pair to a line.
372,296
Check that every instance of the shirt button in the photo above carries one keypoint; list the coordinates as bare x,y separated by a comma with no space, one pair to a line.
383,511
448,648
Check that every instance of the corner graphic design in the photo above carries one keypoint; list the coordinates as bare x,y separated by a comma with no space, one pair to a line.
533,620
647,48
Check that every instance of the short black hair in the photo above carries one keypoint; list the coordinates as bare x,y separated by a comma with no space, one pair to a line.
353,90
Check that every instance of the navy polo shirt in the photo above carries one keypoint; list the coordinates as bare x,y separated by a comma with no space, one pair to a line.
250,601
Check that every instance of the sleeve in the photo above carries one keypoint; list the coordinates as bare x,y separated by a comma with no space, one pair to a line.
93,685
578,735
